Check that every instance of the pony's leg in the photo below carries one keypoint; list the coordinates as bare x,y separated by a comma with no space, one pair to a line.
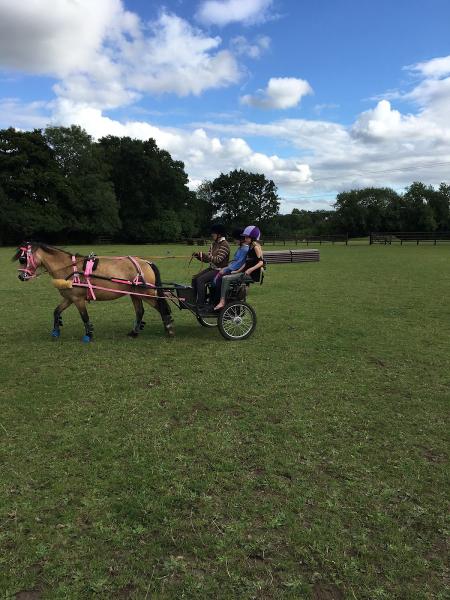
57,319
80,303
162,306
139,323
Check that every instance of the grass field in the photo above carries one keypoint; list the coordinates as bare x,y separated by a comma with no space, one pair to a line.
309,461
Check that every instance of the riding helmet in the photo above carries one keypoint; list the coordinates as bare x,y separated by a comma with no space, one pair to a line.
252,232
218,228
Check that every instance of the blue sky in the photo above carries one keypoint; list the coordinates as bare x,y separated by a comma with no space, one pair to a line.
320,96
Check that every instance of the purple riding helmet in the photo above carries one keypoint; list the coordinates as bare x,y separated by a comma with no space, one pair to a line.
252,231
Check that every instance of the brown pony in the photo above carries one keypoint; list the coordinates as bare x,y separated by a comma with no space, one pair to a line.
79,279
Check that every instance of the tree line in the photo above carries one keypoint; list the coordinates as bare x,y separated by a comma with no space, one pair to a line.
60,185
358,212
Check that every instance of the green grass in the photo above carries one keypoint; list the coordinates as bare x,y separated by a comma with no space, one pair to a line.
309,461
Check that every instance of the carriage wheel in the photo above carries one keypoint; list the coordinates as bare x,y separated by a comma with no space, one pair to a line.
237,321
207,321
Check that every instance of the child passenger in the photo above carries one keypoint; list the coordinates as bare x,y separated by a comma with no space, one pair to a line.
238,258
251,266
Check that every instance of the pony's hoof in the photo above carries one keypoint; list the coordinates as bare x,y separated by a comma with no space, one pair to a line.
133,334
86,339
56,333
170,332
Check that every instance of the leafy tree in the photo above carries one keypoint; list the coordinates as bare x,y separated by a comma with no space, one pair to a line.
241,197
418,214
440,203
32,186
370,209
90,208
154,199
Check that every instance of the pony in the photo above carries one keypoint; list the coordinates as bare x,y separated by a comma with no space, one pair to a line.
80,279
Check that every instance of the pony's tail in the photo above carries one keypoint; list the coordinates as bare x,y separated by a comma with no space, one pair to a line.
157,275
163,305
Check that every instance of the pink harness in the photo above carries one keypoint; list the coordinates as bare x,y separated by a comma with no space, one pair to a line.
88,272
138,280
31,267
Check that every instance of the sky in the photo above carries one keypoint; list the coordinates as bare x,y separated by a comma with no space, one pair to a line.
321,96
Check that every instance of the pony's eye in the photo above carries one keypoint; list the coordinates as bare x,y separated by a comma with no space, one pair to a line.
23,260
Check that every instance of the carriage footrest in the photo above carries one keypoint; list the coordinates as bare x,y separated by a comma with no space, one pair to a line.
186,292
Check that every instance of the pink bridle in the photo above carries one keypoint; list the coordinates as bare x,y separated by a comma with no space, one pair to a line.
30,270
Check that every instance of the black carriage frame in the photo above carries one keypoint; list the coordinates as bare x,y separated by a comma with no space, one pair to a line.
236,320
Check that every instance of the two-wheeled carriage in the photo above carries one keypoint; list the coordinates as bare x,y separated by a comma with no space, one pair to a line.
236,320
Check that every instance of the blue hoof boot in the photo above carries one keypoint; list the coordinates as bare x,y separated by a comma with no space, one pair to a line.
86,339
56,333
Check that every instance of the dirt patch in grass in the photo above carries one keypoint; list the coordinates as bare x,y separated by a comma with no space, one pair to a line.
377,361
434,457
326,592
28,595
126,592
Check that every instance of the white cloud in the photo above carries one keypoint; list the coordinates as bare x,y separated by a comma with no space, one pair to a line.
178,58
204,155
281,93
106,56
242,47
320,108
23,115
436,67
224,12
57,38
383,122
383,146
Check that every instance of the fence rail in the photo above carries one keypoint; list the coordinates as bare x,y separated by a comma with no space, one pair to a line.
392,237
316,239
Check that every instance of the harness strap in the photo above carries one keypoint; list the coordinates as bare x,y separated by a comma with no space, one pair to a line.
139,279
87,274
76,275
31,266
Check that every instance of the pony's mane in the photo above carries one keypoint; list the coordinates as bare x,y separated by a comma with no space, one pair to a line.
46,247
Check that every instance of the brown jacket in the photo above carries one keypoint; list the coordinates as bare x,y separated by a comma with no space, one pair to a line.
218,255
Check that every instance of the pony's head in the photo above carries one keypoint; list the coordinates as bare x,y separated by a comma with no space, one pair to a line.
29,258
